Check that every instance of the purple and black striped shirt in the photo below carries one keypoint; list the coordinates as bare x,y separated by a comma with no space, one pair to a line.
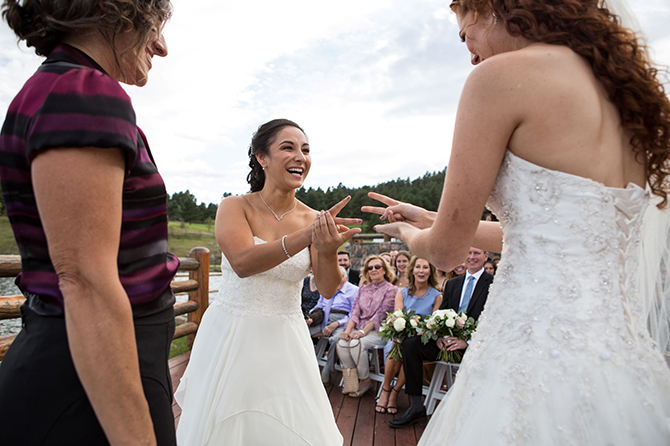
71,102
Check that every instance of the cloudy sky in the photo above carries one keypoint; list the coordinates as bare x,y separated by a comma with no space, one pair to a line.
374,83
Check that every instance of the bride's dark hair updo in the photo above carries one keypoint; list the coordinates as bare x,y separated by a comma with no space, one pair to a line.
619,60
260,143
43,24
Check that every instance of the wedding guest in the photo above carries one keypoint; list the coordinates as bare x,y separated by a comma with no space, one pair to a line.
344,260
490,267
387,257
393,253
402,273
467,292
422,297
335,314
458,271
374,301
309,294
88,210
441,278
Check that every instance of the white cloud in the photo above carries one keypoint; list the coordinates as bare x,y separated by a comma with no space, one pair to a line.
375,84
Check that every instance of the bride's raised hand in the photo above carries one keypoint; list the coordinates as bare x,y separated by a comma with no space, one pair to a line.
397,211
327,235
341,221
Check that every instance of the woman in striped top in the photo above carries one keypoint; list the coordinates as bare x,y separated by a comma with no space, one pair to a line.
88,210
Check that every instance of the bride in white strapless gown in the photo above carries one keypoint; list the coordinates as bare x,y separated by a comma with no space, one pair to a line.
563,353
253,379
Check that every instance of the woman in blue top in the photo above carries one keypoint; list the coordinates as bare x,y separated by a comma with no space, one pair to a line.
422,297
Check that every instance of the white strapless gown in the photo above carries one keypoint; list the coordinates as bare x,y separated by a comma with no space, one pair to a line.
562,355
253,379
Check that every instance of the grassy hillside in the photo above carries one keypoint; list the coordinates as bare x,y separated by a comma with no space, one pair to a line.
182,237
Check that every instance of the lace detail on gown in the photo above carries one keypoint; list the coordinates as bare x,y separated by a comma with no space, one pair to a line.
275,292
562,354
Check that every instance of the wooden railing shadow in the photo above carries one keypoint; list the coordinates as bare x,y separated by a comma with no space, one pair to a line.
197,287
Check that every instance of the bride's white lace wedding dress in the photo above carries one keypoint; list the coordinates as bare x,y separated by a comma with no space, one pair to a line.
562,355
253,378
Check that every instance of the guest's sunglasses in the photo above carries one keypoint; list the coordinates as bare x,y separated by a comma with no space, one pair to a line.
371,267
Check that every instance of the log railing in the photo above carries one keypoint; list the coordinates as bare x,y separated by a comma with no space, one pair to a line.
197,287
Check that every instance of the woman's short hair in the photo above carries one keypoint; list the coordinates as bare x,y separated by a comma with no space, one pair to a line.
432,279
389,275
43,24
619,61
260,144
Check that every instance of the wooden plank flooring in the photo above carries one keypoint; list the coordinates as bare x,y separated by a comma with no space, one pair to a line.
356,418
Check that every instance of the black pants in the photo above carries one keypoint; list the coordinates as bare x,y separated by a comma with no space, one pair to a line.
414,352
42,401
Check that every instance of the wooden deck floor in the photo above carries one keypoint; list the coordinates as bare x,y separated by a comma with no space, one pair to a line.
356,417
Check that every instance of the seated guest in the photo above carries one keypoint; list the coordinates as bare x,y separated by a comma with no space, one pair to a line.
458,271
344,260
309,294
490,267
422,297
387,257
393,254
468,293
335,316
440,278
401,261
374,301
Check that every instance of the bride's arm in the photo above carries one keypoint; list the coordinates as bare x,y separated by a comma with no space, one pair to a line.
488,114
488,236
234,236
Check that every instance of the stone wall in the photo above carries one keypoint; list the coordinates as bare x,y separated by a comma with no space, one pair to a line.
360,251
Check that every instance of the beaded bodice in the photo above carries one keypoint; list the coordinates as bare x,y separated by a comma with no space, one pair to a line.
564,300
275,292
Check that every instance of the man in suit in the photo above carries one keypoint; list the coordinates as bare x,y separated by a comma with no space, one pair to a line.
344,260
468,293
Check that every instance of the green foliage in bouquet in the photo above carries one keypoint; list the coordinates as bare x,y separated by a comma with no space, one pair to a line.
448,323
398,326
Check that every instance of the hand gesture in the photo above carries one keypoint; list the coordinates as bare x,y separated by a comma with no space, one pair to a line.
329,231
397,211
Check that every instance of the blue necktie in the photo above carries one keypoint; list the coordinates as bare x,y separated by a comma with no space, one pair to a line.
468,294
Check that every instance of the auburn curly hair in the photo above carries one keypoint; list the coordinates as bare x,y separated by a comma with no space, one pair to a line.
619,61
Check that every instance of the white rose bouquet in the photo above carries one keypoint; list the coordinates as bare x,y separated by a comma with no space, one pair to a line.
448,323
398,326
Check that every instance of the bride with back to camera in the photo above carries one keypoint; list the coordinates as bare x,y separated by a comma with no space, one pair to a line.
253,378
564,122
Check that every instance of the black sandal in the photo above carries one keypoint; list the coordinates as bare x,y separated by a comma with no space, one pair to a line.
395,409
378,407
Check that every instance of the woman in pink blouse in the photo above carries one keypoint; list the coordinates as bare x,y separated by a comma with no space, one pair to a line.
374,300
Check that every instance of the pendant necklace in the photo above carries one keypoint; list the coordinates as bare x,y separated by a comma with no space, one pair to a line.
273,212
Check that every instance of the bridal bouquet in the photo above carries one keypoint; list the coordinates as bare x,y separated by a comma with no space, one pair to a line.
448,323
399,325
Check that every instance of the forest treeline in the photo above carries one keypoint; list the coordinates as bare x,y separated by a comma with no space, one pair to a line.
424,191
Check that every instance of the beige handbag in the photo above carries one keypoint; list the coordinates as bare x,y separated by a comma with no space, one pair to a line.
350,376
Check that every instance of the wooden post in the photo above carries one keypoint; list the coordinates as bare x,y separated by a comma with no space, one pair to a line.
201,295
